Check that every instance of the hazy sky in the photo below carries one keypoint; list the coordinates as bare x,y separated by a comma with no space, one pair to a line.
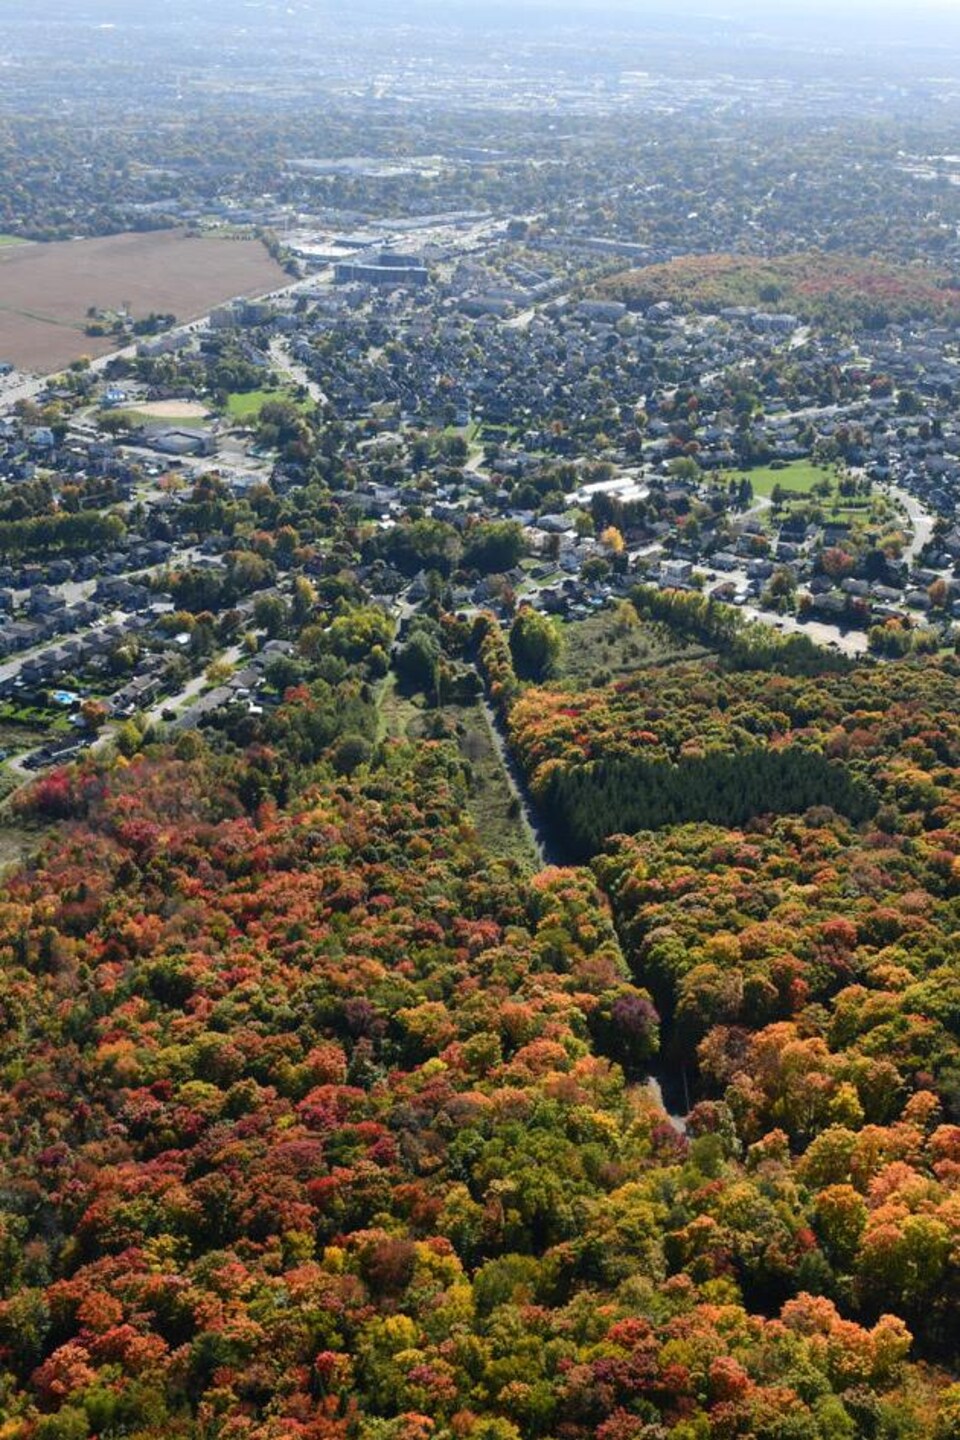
769,10
913,22
907,17
770,14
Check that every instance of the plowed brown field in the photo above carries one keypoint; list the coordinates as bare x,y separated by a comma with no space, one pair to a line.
46,290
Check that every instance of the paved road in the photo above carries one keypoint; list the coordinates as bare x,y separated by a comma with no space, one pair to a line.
283,361
30,386
189,691
920,518
193,687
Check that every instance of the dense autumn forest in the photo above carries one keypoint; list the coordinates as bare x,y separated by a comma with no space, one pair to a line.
318,1121
698,744
815,286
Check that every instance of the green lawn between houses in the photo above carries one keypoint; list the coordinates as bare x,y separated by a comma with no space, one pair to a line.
797,478
246,405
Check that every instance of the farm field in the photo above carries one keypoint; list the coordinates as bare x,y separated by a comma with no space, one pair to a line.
46,290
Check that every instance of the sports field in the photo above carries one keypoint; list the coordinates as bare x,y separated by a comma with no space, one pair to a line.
172,410
46,290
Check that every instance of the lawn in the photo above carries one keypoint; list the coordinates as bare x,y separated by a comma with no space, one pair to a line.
246,405
39,719
469,432
796,483
797,478
7,240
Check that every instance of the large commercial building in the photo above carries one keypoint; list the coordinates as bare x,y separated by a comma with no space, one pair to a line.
387,271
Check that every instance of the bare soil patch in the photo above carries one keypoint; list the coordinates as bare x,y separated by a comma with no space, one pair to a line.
46,290
172,409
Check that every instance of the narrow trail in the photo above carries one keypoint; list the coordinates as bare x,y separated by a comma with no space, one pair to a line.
667,1085
526,815
670,1096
